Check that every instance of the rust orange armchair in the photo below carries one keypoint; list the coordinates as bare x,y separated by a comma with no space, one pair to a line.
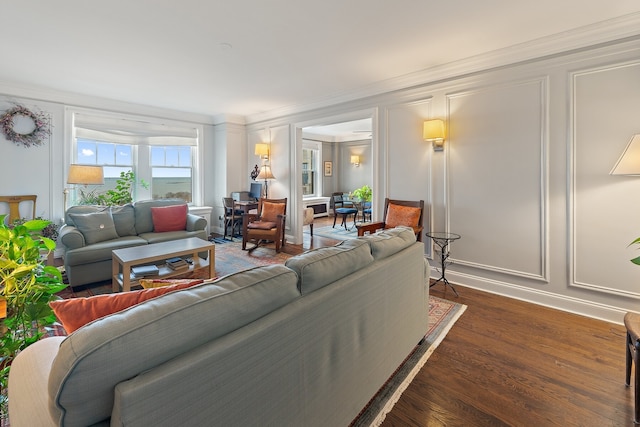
267,225
398,212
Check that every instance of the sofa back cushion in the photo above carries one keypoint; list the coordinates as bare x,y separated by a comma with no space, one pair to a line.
125,220
98,356
389,241
319,267
144,220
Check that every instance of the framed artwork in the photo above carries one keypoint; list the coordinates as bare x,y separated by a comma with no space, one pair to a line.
328,168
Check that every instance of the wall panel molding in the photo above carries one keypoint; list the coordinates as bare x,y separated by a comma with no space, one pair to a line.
496,167
604,115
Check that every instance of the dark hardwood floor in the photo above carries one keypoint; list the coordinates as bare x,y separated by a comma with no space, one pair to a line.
512,363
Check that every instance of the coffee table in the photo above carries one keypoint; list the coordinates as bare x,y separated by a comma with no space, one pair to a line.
124,259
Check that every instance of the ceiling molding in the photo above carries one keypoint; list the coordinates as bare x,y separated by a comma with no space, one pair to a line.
609,31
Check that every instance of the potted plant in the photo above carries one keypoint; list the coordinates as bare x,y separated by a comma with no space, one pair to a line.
363,193
121,195
26,288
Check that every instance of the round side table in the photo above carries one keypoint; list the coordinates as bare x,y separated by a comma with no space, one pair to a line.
442,240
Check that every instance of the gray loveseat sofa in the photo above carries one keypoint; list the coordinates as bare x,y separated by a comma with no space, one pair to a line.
307,343
87,252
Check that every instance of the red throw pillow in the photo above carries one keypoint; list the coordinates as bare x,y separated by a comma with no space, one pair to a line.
169,218
270,211
76,312
402,215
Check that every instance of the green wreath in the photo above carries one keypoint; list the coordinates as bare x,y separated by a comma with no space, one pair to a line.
34,138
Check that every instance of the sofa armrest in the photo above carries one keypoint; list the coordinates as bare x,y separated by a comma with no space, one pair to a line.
195,222
28,384
71,237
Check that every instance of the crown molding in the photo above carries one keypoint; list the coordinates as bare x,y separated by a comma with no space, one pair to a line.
72,99
605,32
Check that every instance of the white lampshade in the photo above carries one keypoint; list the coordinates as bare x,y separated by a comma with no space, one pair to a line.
265,173
85,174
629,161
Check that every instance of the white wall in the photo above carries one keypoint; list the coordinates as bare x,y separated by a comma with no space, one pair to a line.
524,176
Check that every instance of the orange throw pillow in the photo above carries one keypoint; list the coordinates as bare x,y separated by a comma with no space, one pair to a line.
76,312
270,211
402,215
169,218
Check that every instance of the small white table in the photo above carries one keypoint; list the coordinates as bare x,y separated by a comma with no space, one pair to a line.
124,259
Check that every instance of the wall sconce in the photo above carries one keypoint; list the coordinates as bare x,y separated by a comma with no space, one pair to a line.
262,150
433,131
355,160
629,161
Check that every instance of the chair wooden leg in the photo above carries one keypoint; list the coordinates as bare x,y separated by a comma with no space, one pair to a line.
629,360
335,216
311,229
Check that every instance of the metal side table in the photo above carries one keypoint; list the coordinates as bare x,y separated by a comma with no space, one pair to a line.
443,239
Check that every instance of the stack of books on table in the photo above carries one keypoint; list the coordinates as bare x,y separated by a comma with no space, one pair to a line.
177,263
145,270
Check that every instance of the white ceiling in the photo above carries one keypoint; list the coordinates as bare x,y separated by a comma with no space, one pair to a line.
248,57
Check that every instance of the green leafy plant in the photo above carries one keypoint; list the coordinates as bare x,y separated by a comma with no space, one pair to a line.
364,193
26,286
635,260
121,195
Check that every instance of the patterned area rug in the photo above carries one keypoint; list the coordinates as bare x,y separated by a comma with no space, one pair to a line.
443,314
337,233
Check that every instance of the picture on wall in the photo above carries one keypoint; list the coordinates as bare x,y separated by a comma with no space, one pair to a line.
328,168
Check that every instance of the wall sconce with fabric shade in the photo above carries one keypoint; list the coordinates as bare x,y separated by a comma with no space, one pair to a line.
629,161
433,130
265,173
355,160
262,150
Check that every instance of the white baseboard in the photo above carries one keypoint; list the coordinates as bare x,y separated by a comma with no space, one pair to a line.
536,296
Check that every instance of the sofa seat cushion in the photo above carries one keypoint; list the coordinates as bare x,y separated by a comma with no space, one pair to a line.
100,251
320,267
389,241
83,375
172,235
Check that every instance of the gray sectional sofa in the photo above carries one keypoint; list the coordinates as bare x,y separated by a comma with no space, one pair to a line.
87,254
307,343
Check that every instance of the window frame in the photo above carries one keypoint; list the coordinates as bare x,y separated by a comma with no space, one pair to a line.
151,134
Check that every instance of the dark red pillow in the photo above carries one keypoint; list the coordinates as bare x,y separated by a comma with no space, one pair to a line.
169,218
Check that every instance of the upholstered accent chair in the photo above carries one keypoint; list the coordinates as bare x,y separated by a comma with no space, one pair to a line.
307,218
267,225
398,212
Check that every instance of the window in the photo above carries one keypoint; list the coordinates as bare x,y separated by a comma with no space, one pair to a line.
162,155
171,173
310,161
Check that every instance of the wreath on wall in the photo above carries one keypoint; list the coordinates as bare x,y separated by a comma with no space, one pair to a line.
35,136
